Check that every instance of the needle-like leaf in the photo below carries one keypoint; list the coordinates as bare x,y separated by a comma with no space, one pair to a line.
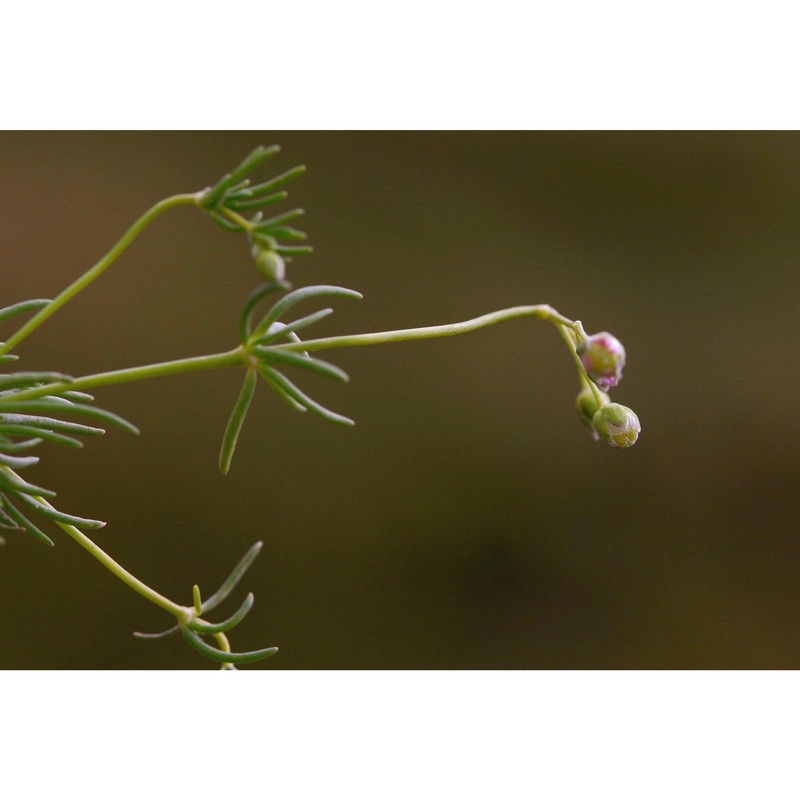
258,202
283,232
55,404
254,160
324,368
291,327
15,484
37,423
159,635
297,296
28,378
222,627
197,599
24,522
236,421
271,185
230,582
279,219
224,222
232,181
303,399
220,655
22,308
290,250
16,462
253,299
266,374
60,516
7,446
40,434
5,521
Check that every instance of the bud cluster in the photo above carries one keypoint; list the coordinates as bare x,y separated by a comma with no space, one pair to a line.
603,357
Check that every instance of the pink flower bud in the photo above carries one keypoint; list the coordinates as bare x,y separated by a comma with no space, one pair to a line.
603,356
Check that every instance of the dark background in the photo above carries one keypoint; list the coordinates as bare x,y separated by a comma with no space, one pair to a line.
467,521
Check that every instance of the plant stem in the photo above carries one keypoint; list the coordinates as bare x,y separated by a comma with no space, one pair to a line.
180,612
431,332
224,644
99,268
569,338
240,220
234,357
566,328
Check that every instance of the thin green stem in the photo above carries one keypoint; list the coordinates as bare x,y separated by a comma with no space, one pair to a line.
569,336
224,644
99,268
566,328
431,332
235,357
240,220
180,612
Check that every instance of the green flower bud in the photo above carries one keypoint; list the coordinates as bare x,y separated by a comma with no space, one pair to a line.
270,264
617,425
603,356
586,405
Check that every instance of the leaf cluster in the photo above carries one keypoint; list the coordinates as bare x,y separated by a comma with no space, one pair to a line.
267,359
194,628
229,201
27,423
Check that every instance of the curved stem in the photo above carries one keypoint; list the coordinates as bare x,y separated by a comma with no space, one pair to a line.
237,218
569,337
432,332
224,645
566,327
235,357
180,612
99,268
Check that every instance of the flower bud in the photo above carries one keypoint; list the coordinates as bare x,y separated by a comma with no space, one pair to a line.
270,264
617,425
586,404
603,356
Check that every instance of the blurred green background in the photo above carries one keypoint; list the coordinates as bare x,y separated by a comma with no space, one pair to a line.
467,521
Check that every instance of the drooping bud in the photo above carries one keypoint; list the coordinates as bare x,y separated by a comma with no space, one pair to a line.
617,425
586,404
270,264
603,356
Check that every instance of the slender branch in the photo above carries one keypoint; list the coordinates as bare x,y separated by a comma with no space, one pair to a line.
180,612
224,645
566,327
568,334
235,357
431,332
237,218
99,268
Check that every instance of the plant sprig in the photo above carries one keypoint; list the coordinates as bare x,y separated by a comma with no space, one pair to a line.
193,627
37,408
273,241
